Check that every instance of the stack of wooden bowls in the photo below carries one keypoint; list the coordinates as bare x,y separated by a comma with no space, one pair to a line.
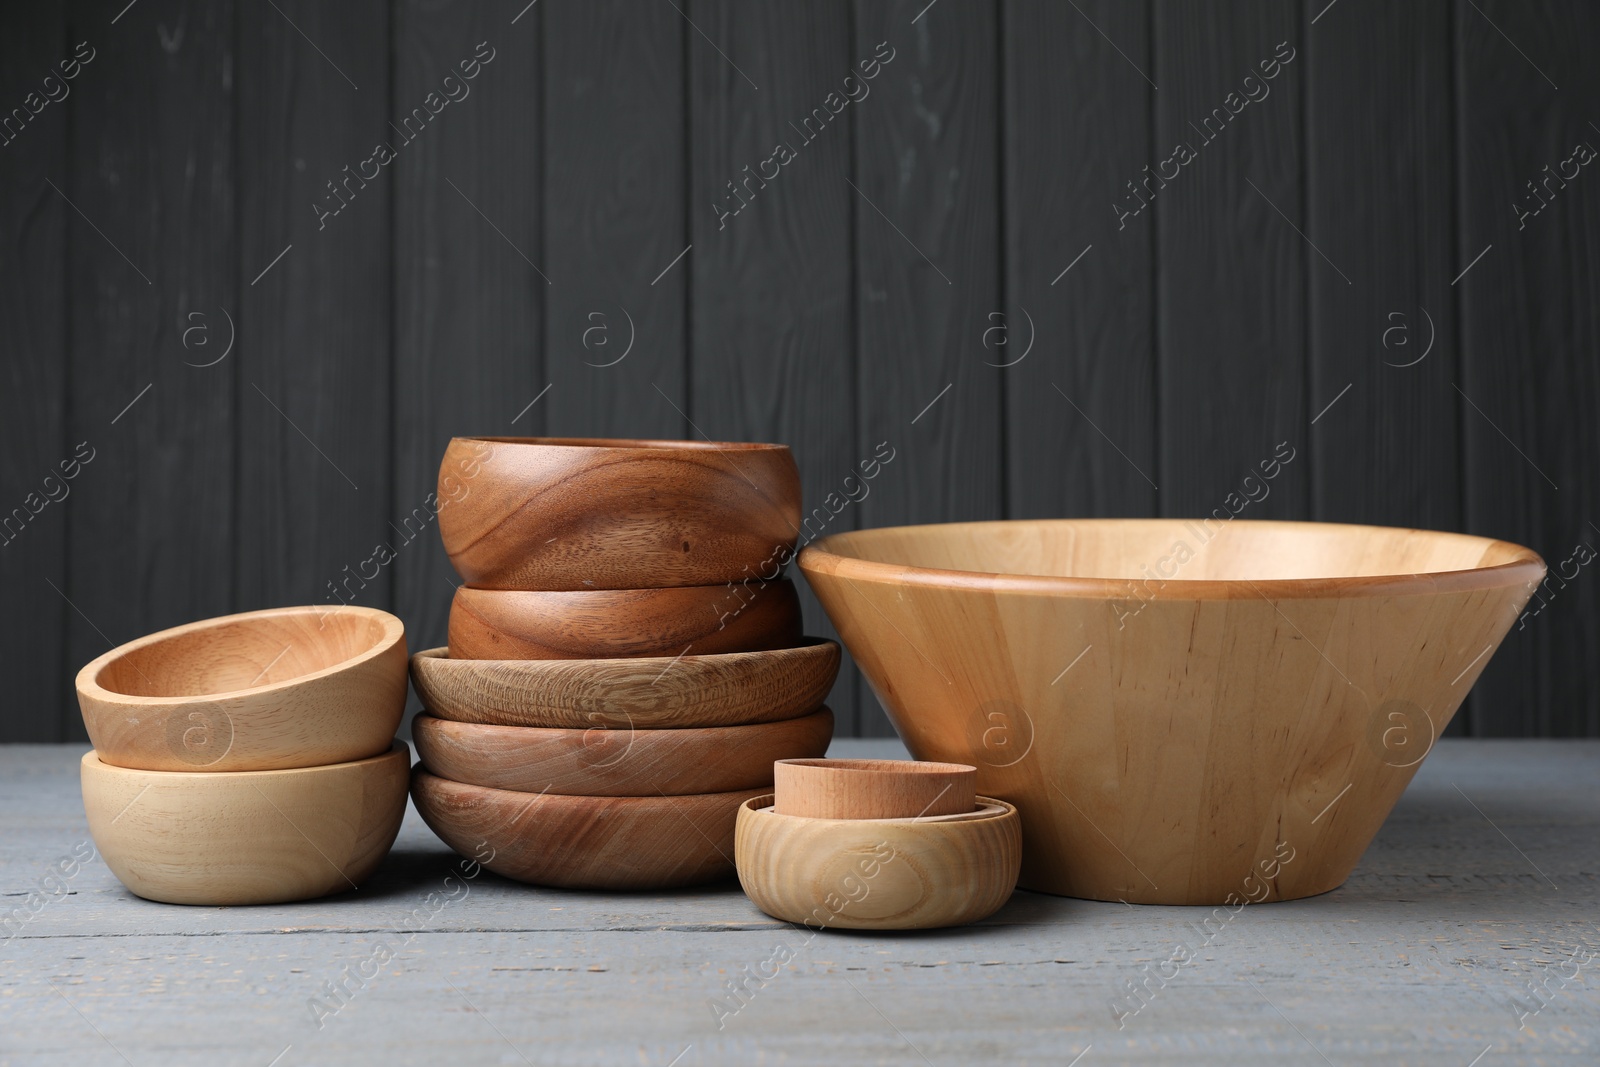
625,661
248,759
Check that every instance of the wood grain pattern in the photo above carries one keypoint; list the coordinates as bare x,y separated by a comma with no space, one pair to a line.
730,689
693,620
282,688
582,513
879,874
33,383
153,254
617,762
871,789
656,842
249,837
1172,706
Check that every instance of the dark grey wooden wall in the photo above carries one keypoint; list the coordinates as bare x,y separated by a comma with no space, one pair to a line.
1369,260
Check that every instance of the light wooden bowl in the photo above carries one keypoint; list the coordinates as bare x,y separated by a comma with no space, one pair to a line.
610,623
286,687
606,762
245,837
1174,706
871,788
584,842
730,689
574,513
879,874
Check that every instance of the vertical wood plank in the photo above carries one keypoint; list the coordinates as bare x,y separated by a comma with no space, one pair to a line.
469,291
33,434
1079,289
1231,280
928,256
1530,383
771,265
314,361
615,218
153,255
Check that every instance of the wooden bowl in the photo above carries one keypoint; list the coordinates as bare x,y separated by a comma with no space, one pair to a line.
570,513
245,837
584,842
625,762
730,689
286,687
871,788
1175,707
611,623
879,874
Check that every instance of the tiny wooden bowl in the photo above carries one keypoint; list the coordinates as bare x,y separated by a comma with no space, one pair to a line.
605,762
872,788
730,689
611,623
245,837
584,842
879,874
265,690
573,513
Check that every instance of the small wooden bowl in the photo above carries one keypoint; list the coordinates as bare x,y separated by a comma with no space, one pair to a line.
607,762
245,837
871,788
574,513
730,689
585,842
265,690
879,874
610,623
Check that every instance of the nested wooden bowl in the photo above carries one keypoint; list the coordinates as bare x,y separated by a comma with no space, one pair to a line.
729,689
610,623
1174,706
879,874
285,687
245,837
616,762
569,842
871,788
574,513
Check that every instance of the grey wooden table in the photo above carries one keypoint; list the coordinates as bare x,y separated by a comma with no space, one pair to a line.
1481,888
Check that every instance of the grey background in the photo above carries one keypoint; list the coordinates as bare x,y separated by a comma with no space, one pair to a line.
1345,267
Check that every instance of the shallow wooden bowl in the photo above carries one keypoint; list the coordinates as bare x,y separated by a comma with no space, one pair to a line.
584,842
871,788
1175,707
610,623
729,689
285,687
879,874
607,762
574,513
245,837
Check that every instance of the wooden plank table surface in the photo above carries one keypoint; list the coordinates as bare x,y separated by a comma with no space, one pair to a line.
1482,884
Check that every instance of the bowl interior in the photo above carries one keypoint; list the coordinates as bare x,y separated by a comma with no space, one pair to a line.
1186,550
242,652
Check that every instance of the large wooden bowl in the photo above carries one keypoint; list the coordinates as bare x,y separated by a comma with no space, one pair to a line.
730,689
245,837
584,842
286,687
694,620
625,762
573,513
879,874
1184,712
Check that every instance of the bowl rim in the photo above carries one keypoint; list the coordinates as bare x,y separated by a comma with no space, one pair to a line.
1527,568
88,684
985,809
809,645
92,758
562,804
646,445
575,734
